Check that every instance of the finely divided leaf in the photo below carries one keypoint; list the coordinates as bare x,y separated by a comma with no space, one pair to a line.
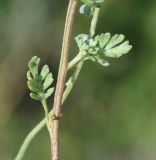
103,45
39,83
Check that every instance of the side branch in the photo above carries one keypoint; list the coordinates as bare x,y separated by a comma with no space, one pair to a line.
61,77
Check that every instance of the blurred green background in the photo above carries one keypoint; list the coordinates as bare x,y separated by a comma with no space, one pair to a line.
111,113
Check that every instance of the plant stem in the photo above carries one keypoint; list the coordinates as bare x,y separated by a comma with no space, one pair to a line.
63,71
94,21
61,78
45,107
79,57
72,80
28,139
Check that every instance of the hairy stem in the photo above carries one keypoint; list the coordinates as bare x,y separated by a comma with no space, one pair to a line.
61,78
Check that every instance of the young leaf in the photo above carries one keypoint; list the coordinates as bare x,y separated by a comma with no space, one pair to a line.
44,71
87,44
86,9
102,61
29,76
33,65
48,81
49,92
113,47
116,39
38,83
35,96
93,50
82,41
118,51
103,39
35,86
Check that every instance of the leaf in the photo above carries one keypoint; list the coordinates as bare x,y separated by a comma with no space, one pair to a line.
112,47
38,78
33,65
86,9
44,71
35,86
82,40
93,50
102,61
116,39
39,83
49,92
103,45
48,81
29,76
118,51
92,42
87,44
103,39
35,96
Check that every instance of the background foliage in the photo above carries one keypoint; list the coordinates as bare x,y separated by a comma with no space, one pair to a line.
111,113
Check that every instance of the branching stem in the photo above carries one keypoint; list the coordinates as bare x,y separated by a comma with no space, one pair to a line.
79,58
76,62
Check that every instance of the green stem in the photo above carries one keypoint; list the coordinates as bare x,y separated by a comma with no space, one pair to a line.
73,63
45,107
68,89
94,21
29,138
72,80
